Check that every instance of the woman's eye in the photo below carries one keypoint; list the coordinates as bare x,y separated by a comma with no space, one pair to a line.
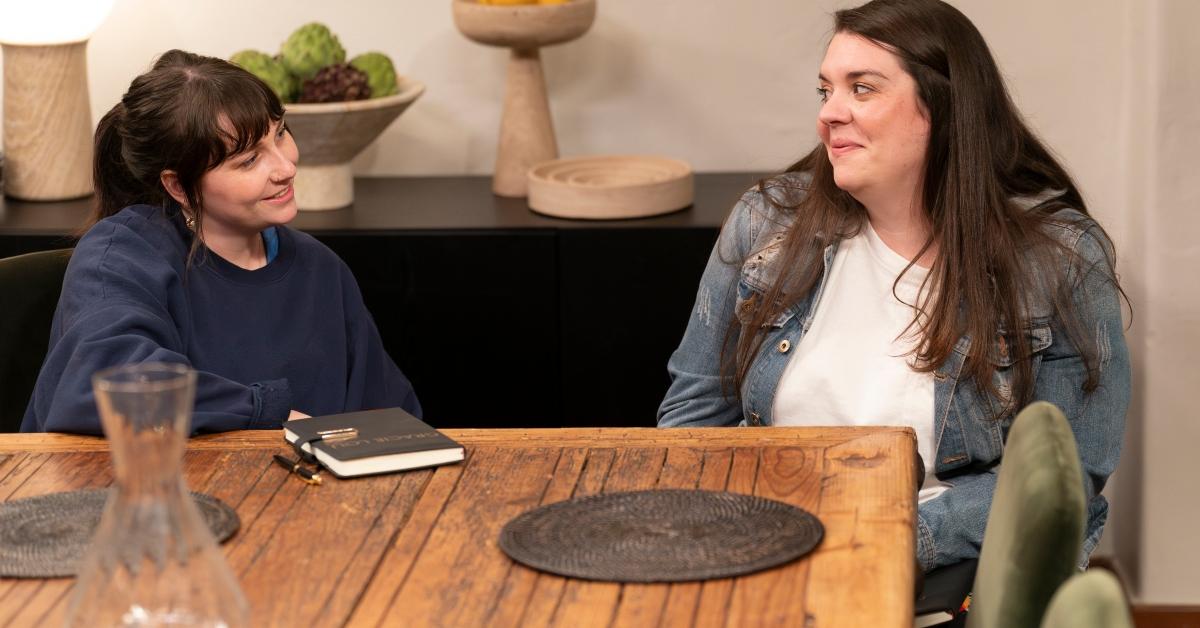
860,89
282,131
250,161
823,92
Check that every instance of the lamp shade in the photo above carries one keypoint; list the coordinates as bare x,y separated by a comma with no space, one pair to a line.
42,22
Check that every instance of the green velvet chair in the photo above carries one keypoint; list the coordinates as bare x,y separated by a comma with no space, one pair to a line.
30,285
1093,599
1035,527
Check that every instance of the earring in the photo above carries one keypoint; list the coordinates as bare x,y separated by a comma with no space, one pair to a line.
190,221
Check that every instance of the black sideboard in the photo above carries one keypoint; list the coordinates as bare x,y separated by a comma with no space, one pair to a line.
501,317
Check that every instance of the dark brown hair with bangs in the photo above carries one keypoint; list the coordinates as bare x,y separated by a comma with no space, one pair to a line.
187,114
995,257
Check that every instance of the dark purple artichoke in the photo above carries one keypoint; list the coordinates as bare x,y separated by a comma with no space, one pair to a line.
336,83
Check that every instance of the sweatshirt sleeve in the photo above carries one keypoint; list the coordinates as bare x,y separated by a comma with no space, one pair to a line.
123,303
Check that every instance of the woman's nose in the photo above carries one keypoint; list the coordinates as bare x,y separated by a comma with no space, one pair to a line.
834,110
285,166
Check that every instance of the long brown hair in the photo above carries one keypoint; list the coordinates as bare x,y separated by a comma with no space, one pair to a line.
187,114
994,256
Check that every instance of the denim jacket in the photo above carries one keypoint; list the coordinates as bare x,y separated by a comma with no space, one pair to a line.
970,442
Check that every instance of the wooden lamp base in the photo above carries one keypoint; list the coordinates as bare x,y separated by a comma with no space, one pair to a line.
47,122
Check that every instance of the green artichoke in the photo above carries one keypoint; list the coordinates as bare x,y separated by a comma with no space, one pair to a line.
381,74
310,48
267,68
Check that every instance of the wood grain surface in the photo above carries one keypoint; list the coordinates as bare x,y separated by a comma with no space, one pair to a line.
420,548
47,122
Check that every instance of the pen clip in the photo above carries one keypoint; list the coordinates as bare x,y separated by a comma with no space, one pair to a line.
341,433
309,477
296,468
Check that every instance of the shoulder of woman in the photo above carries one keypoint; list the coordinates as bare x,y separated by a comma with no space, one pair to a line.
767,205
1077,232
1074,231
133,256
140,233
778,191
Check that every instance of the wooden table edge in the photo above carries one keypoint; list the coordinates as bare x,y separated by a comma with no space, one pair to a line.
705,437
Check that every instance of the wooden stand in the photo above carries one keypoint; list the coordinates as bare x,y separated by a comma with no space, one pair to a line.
526,129
47,122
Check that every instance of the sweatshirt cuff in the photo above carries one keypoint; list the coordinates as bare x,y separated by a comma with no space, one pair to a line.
272,404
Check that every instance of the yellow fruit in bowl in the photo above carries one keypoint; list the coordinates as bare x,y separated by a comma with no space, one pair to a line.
516,2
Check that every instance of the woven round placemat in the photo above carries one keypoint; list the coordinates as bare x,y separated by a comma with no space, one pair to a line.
660,536
45,536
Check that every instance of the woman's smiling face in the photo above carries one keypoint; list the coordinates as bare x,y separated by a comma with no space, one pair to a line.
872,123
252,190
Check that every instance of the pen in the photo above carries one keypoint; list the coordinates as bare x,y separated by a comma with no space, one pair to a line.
293,466
341,433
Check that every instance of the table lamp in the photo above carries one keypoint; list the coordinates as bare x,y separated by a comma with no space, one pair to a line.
47,115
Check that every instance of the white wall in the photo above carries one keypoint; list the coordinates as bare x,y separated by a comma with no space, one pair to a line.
1110,84
1138,154
724,85
1169,316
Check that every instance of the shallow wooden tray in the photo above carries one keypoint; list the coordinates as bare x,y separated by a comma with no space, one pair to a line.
605,187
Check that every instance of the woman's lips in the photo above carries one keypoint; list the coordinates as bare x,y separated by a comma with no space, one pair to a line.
840,148
282,198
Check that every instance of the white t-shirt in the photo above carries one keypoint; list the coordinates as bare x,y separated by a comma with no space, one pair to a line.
853,365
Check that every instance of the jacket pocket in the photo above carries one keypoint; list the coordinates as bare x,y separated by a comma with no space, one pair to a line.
1003,357
749,299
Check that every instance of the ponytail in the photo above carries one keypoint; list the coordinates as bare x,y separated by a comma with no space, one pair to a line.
116,186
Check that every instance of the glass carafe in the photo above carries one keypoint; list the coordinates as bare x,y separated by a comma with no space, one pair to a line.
153,560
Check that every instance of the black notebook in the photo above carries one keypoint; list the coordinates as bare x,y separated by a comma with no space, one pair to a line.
372,441
945,594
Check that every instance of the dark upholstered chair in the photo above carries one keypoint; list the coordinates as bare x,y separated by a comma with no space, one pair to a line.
1035,528
1093,599
30,285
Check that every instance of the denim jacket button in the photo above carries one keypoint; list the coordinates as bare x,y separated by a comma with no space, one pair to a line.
784,345
755,419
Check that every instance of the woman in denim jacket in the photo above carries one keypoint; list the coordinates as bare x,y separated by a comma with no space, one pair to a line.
928,264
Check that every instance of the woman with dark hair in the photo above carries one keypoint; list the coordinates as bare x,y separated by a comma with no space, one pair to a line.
928,264
187,260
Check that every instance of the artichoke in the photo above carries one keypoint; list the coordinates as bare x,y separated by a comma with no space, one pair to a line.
270,70
310,48
381,74
336,83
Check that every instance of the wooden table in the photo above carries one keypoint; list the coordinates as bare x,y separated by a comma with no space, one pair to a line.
419,548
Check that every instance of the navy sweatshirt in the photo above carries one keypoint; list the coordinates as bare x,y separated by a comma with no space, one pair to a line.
291,335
